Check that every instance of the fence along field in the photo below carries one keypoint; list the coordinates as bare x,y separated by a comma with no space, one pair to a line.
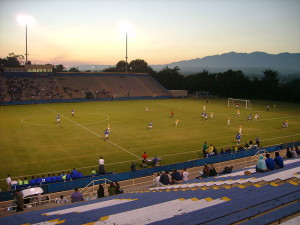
32,143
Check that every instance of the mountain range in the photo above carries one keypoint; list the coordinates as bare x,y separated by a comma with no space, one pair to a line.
250,63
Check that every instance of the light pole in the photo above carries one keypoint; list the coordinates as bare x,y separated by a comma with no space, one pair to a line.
25,20
126,53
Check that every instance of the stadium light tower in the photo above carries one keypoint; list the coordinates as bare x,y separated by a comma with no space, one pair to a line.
25,20
126,54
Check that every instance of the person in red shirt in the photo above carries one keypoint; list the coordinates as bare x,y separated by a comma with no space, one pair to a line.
145,156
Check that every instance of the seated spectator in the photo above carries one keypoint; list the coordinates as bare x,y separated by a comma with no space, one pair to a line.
133,167
54,178
261,165
164,178
298,150
118,188
289,154
176,177
212,171
32,182
76,196
278,161
68,176
222,151
294,153
227,169
269,162
112,189
100,191
155,161
156,182
250,144
59,177
61,200
215,151
205,172
185,175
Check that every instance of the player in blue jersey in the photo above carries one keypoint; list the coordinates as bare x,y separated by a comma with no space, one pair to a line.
106,132
150,125
238,139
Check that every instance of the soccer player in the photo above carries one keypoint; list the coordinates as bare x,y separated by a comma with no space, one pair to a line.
147,108
228,121
238,139
176,122
108,128
171,114
249,117
150,125
72,112
240,129
211,115
238,113
204,108
106,134
205,116
58,119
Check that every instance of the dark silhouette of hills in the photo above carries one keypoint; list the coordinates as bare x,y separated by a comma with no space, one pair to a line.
249,63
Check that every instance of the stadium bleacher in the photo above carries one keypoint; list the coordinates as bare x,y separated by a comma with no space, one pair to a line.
264,201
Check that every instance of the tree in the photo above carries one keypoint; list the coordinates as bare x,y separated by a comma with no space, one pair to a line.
59,68
121,66
110,69
73,69
12,60
139,66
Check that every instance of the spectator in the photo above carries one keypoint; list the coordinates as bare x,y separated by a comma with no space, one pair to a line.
112,189
20,181
101,166
269,162
170,177
204,150
261,165
118,188
20,202
63,176
76,196
212,171
156,181
278,161
227,169
54,178
289,154
164,179
185,175
59,177
294,153
257,142
100,191
68,176
61,200
176,177
133,167
43,179
8,182
297,150
247,145
215,151
25,181
205,171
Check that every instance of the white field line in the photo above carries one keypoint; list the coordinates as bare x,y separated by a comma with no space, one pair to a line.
83,127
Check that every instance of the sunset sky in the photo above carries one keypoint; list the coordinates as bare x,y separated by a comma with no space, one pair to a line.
77,32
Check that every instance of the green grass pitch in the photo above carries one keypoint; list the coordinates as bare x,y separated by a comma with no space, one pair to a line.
33,144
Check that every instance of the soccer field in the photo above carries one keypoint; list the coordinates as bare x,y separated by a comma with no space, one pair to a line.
32,143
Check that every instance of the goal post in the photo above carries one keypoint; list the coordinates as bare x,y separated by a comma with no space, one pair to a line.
239,103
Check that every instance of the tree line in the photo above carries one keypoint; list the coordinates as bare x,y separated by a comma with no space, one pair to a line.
230,83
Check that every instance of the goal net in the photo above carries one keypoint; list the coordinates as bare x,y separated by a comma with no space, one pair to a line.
239,103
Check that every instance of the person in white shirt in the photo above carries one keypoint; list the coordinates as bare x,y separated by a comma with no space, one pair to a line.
185,175
101,166
156,182
8,181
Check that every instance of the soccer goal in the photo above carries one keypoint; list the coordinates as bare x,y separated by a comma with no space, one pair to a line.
239,103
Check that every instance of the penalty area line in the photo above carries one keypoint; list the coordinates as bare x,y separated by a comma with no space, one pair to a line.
83,127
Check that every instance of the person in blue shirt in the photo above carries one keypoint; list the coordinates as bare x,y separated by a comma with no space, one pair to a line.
278,161
54,178
74,174
270,162
59,177
68,176
238,139
32,182
49,178
106,132
150,125
38,180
